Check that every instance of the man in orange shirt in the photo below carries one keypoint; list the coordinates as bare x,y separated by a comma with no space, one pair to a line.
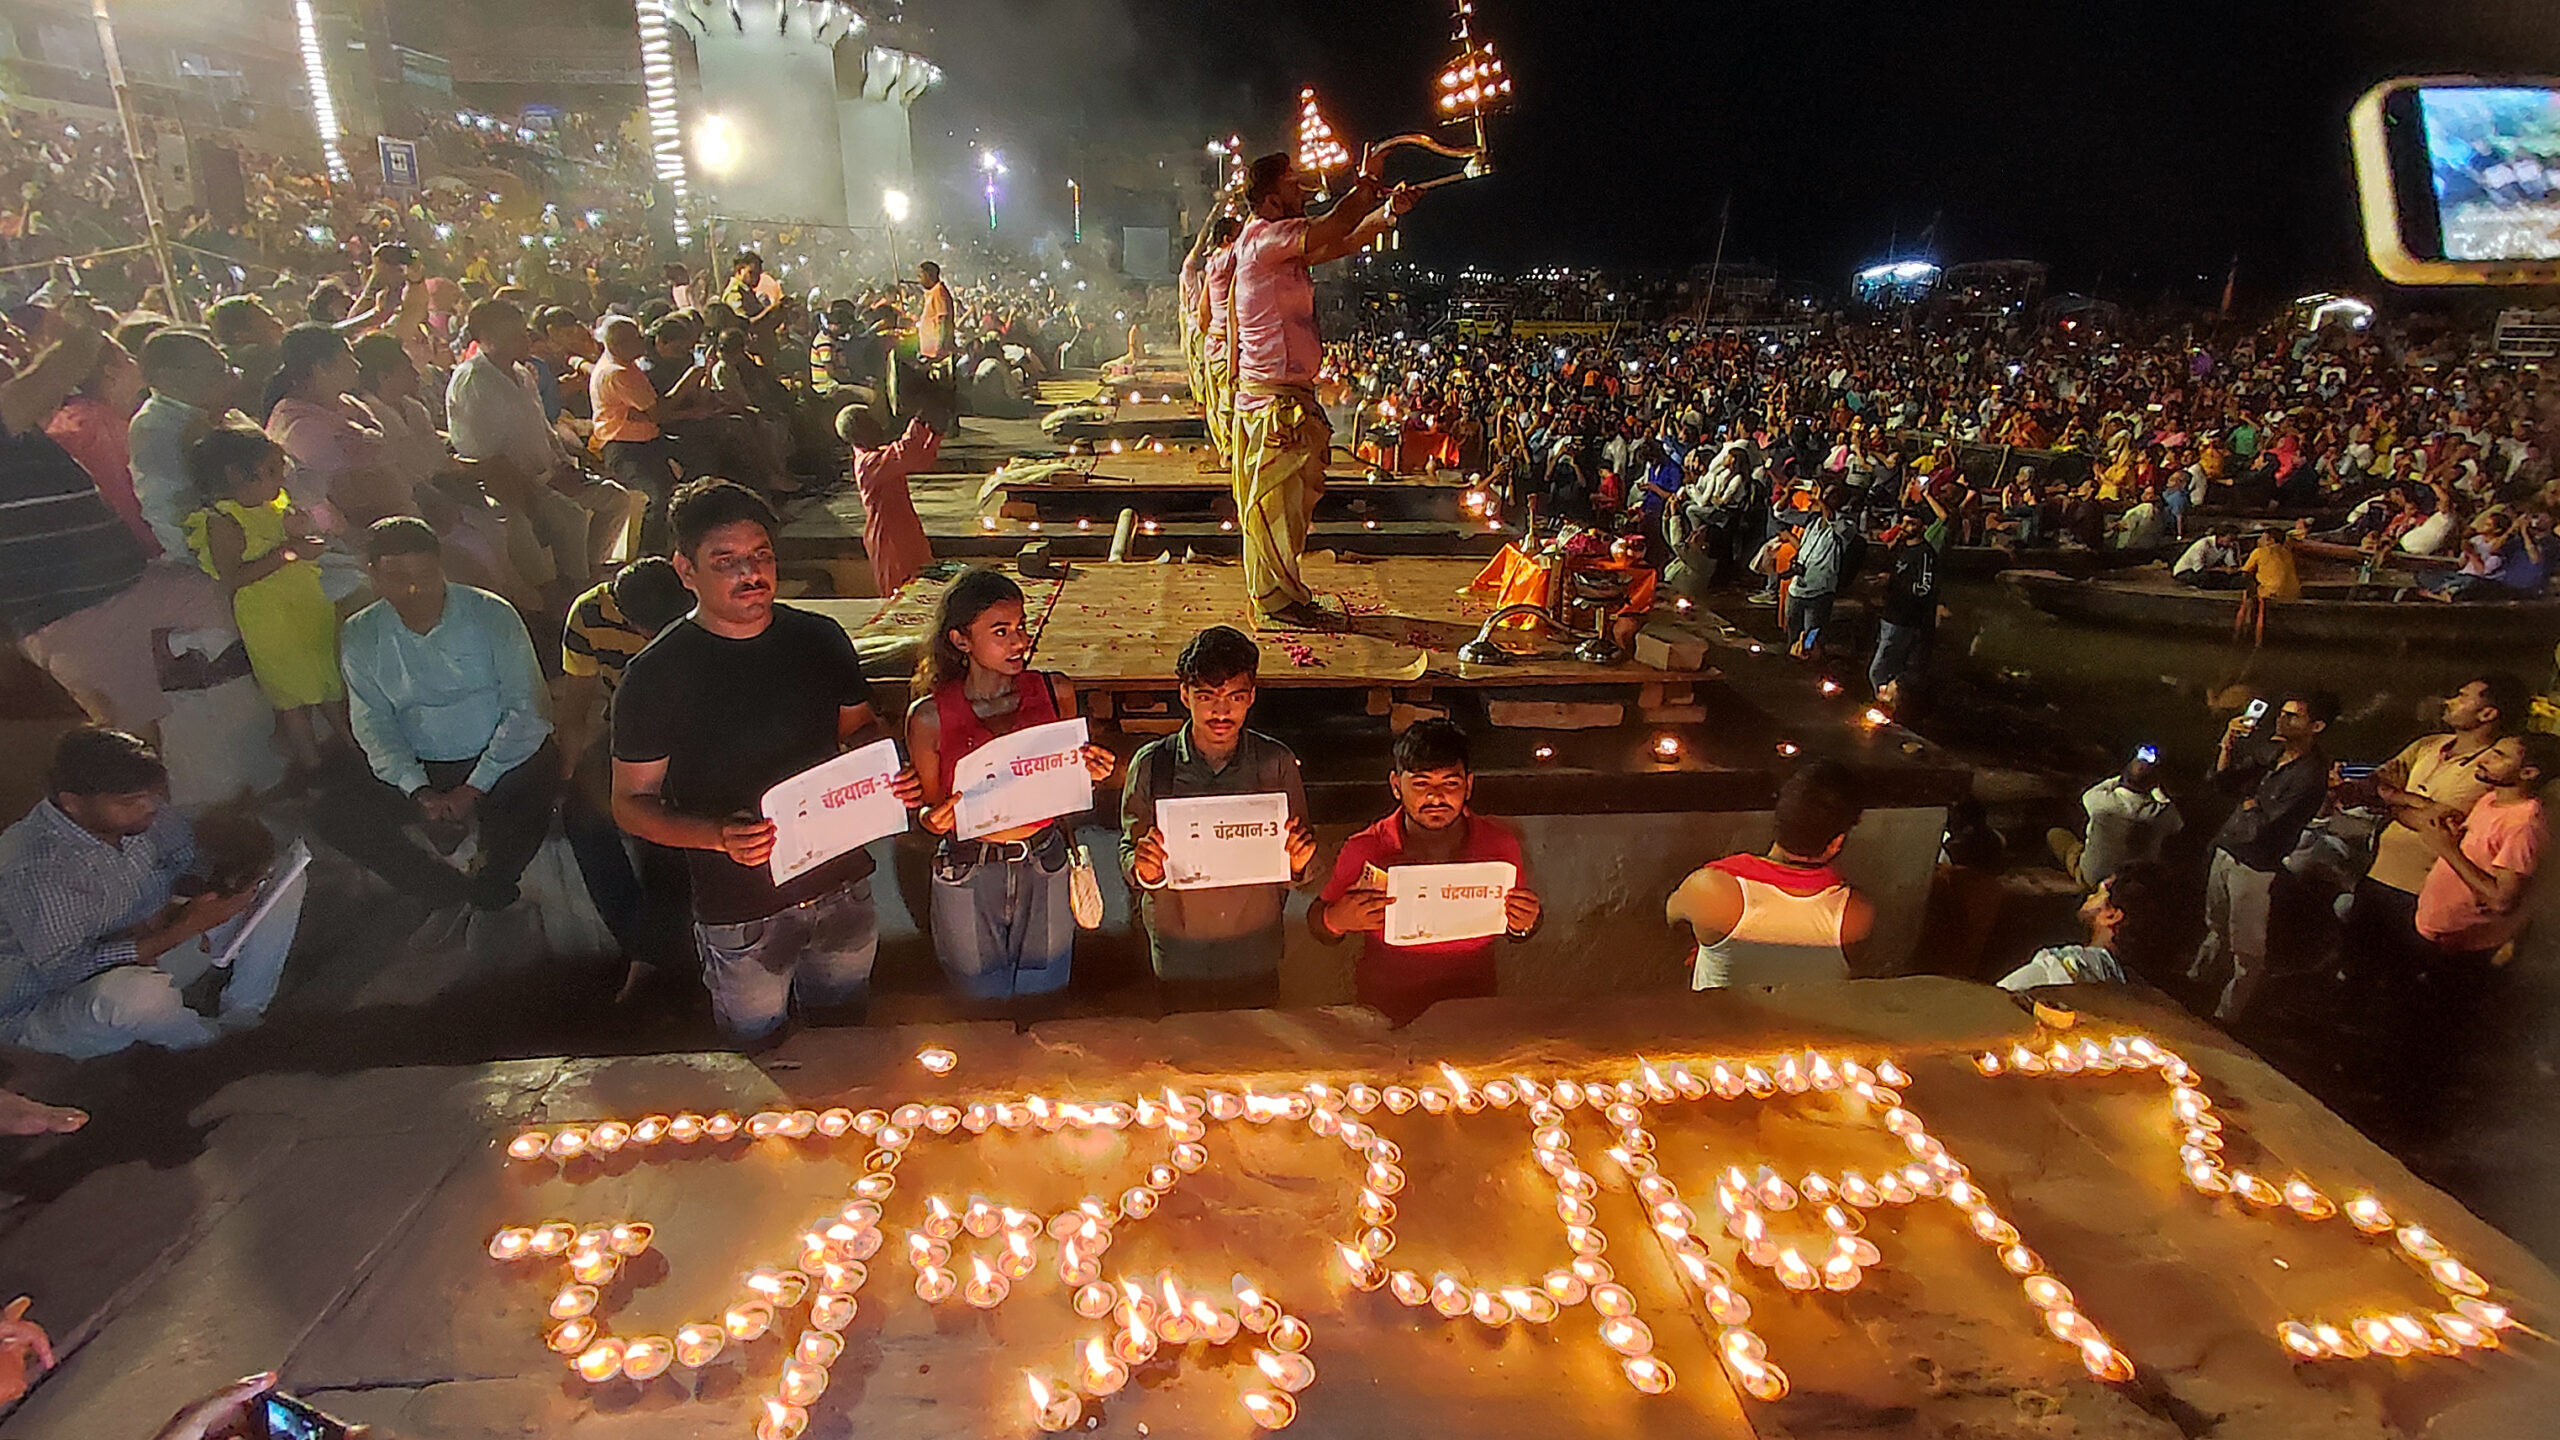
626,426
934,326
927,390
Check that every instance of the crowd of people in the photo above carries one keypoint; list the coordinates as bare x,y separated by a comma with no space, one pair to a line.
433,538
1792,465
498,556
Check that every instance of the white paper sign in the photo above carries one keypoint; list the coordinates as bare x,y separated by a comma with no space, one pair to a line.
1211,841
829,809
282,881
1026,777
1430,904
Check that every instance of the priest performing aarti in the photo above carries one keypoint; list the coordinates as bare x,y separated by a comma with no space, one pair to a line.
1282,437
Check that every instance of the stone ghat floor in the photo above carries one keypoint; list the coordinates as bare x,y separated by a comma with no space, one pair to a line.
338,1227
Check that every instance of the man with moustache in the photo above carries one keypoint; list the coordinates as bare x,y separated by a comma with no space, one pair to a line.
724,704
1282,439
1433,824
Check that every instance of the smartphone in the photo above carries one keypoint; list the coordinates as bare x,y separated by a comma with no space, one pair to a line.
2147,754
2459,180
2256,712
288,1417
2357,772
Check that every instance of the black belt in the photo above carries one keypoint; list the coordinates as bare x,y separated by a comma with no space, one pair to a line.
1002,852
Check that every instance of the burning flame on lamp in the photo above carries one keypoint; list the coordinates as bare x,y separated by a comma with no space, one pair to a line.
1319,149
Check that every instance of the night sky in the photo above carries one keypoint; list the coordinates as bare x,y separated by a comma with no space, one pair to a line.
2136,146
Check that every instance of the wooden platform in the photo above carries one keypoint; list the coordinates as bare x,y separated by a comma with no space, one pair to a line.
1178,417
1170,482
1118,628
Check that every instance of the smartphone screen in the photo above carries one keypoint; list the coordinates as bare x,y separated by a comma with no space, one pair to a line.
2476,171
2493,163
290,1419
2257,711
2357,772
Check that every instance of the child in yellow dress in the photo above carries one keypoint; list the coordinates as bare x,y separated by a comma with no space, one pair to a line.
249,537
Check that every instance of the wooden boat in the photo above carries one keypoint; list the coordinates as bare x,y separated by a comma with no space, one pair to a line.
2328,614
1979,562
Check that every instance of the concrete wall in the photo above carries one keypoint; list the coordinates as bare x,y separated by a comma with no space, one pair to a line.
1602,878
874,88
779,92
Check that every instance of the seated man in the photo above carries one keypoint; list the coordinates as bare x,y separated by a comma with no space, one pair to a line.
1213,948
494,403
109,907
1786,917
1433,781
2127,917
447,702
2213,561
645,908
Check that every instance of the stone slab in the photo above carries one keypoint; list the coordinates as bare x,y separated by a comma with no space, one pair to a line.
338,1227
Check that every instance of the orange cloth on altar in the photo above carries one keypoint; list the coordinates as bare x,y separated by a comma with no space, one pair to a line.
1513,578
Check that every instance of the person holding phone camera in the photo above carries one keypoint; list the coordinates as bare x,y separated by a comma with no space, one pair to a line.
76,586
253,1407
2130,818
2276,764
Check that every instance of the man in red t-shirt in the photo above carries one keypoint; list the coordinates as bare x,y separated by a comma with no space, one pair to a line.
1431,825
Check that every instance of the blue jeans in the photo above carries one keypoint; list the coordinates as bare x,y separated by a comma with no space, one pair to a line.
1900,650
1002,927
819,950
1807,614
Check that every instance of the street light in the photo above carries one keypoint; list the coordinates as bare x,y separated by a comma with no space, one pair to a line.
895,205
993,164
716,144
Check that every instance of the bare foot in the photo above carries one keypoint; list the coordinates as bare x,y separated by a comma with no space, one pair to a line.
635,975
1298,615
22,1116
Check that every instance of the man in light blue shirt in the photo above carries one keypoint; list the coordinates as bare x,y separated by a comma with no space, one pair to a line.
1823,557
109,907
191,387
448,705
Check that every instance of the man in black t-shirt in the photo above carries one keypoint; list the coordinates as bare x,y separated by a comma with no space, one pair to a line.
2285,779
723,705
1909,618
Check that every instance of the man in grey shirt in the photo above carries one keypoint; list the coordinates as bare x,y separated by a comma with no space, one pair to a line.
1215,949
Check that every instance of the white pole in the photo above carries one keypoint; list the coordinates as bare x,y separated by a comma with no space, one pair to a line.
159,238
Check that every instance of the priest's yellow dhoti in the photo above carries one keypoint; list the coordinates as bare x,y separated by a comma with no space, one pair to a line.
1218,406
1282,443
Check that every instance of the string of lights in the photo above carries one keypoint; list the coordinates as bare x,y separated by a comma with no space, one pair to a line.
324,106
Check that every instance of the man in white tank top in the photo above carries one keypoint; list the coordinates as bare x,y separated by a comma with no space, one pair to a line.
1785,917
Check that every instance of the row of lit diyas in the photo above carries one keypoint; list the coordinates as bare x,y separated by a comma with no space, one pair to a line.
833,1256
2472,1324
831,1267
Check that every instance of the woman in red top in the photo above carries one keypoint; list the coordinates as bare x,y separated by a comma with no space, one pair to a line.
1001,923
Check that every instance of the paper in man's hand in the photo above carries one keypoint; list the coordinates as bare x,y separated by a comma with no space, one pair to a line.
829,809
1430,904
1212,841
1023,778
